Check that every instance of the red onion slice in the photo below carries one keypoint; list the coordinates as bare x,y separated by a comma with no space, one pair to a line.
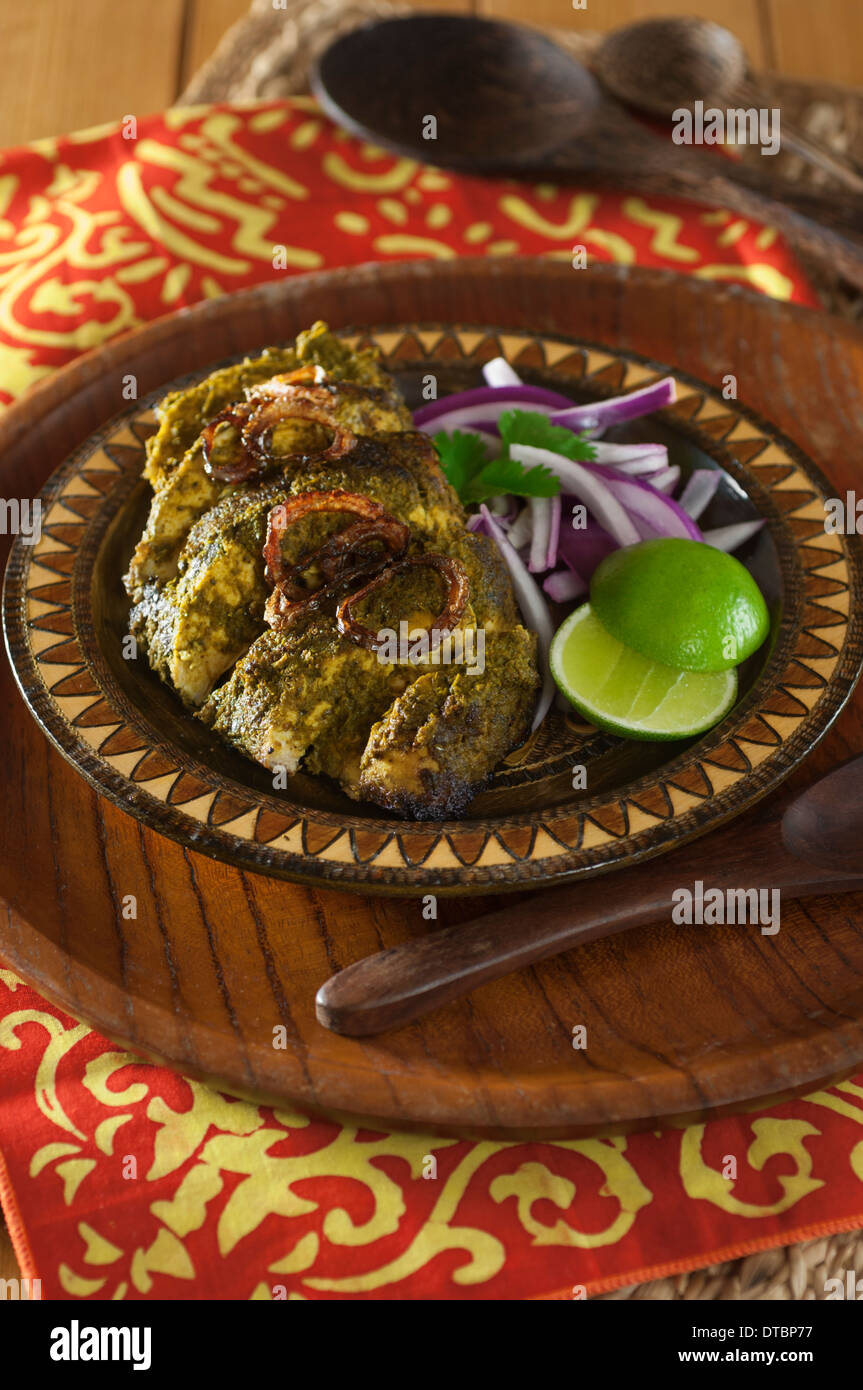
544,514
584,548
540,536
554,533
651,512
588,485
564,585
533,607
486,403
479,419
729,538
499,373
631,458
600,414
665,480
520,531
699,491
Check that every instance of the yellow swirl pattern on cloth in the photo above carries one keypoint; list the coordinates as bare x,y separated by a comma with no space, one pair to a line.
104,229
156,1184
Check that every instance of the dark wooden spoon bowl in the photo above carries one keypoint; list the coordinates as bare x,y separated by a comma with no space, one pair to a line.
659,65
502,96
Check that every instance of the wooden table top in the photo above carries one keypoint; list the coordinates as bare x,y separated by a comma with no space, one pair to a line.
99,61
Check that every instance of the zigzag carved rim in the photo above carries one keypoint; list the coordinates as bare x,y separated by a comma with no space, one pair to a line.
811,672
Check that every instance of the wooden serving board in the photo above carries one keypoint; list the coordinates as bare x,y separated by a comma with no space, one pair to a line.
681,1021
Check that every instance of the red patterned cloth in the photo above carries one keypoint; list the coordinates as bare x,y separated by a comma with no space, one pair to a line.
123,1180
99,232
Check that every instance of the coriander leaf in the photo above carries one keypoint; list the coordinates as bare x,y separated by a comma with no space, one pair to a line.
529,427
506,475
475,478
462,457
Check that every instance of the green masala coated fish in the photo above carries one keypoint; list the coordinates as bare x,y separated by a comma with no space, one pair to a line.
297,520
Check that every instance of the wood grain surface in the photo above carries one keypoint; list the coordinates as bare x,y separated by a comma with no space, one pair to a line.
681,1021
76,63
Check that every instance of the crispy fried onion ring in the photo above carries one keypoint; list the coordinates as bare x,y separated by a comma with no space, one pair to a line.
355,553
281,612
256,418
451,571
334,556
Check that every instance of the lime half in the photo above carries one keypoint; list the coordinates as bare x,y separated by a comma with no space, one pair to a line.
680,602
619,690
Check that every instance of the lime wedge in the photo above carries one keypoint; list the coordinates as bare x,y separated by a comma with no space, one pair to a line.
621,691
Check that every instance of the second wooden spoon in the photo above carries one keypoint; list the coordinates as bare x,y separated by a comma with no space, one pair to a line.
812,844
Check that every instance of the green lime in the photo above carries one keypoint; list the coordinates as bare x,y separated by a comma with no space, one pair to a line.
680,602
619,690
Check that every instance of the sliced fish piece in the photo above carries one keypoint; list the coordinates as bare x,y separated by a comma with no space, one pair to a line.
438,744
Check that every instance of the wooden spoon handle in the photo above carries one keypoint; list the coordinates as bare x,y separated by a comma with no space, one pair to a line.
842,211
809,147
618,151
393,987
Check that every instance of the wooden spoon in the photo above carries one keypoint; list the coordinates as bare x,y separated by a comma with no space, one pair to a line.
662,65
813,845
485,96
